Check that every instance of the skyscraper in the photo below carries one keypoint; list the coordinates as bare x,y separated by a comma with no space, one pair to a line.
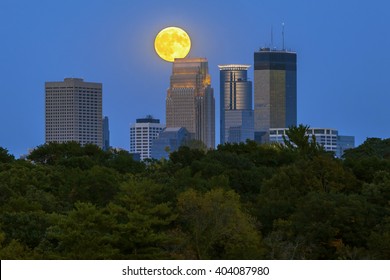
190,100
236,119
275,91
73,112
142,134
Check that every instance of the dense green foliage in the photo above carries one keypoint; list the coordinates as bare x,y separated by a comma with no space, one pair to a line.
240,201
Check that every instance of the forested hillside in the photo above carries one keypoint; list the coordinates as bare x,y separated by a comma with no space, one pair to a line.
240,201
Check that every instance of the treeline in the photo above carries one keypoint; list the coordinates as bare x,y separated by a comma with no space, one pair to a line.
240,201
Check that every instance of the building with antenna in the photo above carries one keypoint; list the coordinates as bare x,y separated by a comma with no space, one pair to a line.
275,91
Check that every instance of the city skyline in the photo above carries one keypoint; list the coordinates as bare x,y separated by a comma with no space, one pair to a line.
342,81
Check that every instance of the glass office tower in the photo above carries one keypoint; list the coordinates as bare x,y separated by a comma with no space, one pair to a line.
236,114
190,100
275,91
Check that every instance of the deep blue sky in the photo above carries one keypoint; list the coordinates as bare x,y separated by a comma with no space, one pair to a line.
342,46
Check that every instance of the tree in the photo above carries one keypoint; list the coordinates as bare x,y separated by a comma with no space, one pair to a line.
185,156
143,218
283,244
97,185
70,154
379,240
367,159
5,157
372,147
330,221
217,227
299,140
123,162
14,250
27,227
85,233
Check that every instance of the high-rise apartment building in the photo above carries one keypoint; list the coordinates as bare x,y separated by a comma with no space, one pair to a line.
236,113
142,134
73,112
275,91
190,100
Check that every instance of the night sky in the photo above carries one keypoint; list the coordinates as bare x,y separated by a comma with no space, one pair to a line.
342,46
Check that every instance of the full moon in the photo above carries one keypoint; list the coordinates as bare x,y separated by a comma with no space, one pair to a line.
171,43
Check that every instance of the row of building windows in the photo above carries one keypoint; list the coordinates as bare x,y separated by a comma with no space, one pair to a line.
73,90
85,140
72,106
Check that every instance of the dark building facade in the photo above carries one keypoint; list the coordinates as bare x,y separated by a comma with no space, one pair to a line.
106,134
275,91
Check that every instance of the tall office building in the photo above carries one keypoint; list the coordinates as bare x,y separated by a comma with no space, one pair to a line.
142,134
106,134
236,114
73,112
275,91
190,100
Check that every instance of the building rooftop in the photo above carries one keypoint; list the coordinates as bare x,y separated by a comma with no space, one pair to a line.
274,50
148,119
172,129
233,67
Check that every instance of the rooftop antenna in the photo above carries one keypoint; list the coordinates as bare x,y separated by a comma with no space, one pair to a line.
272,37
283,34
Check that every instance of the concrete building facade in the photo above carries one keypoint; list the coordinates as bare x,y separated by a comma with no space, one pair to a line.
73,112
142,134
